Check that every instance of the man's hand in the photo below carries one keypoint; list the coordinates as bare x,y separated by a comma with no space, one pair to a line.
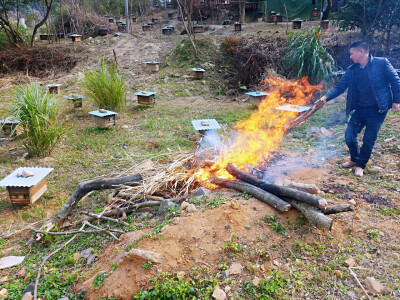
396,107
320,102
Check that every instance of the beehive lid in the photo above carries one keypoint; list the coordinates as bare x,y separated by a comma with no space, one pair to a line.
9,120
145,94
198,70
75,35
257,94
197,26
296,20
74,97
13,180
152,62
166,28
53,85
205,124
100,114
150,23
103,28
295,108
172,27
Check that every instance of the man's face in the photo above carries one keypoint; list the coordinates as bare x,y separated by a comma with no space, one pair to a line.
356,55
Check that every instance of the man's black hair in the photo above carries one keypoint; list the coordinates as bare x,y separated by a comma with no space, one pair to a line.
360,45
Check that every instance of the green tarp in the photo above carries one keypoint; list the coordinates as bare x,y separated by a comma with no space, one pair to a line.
295,8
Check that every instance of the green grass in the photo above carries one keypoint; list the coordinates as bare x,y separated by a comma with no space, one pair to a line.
307,56
105,86
38,112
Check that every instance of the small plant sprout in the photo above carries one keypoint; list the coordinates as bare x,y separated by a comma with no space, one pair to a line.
147,266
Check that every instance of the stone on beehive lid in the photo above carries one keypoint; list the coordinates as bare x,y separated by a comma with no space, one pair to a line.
145,255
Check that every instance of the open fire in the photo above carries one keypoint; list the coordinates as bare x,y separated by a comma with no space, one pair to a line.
261,134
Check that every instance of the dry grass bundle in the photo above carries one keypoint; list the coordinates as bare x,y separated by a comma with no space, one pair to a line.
37,61
175,177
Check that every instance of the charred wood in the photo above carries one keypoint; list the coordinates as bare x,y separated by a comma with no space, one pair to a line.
277,190
256,192
334,209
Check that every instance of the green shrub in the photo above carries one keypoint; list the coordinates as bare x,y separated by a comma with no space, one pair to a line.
25,34
105,86
307,56
38,114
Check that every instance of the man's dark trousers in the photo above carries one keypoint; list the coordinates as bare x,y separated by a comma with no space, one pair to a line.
371,119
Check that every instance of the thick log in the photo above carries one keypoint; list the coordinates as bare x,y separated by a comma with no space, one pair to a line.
80,192
304,116
256,192
277,190
338,208
313,216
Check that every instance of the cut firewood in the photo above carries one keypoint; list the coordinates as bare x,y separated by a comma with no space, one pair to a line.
338,208
80,192
313,216
304,116
305,187
256,192
279,191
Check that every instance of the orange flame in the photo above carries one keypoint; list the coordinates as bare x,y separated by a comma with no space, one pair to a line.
261,134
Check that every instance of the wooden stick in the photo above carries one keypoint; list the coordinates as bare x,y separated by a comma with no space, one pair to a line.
76,232
313,216
338,208
105,218
46,258
359,283
277,190
258,193
95,227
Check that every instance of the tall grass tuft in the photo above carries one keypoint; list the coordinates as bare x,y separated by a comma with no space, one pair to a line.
307,56
38,114
105,86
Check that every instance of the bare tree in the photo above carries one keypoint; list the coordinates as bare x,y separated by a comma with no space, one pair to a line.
186,9
47,5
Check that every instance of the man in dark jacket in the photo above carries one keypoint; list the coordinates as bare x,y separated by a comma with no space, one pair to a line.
373,87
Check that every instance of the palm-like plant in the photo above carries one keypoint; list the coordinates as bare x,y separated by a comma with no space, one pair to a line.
307,56
105,86
38,113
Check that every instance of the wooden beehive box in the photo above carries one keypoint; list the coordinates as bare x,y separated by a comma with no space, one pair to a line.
54,88
324,24
76,38
146,27
145,98
26,190
257,97
198,28
76,100
198,73
166,30
296,24
7,126
104,118
238,27
152,66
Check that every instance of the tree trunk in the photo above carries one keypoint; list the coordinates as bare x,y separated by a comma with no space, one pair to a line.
258,193
277,190
81,191
242,11
313,216
48,7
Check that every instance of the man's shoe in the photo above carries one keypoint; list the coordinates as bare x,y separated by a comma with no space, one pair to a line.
359,172
348,164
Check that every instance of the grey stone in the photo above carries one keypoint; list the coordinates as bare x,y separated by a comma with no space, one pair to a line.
64,298
10,261
218,293
351,294
312,130
191,208
298,135
86,252
235,269
337,118
91,258
27,296
374,286
201,192
166,79
29,289
164,205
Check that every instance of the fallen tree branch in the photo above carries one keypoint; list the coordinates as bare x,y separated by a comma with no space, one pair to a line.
95,227
105,218
77,231
46,258
257,192
80,192
277,190
338,208
359,283
302,117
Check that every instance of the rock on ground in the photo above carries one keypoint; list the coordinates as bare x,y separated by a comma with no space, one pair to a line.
218,293
374,286
145,255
